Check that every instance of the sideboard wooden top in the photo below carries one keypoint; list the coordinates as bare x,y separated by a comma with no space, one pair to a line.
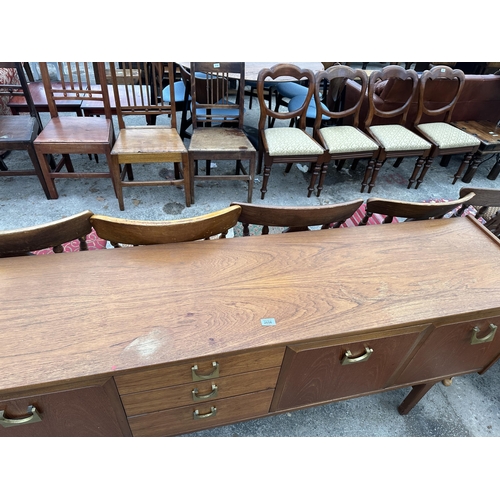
77,315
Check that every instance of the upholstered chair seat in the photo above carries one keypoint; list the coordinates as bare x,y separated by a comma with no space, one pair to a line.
448,136
346,139
398,138
286,141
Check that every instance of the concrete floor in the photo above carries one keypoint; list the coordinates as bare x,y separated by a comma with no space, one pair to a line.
469,407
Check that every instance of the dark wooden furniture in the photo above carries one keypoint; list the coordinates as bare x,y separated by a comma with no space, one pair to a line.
285,144
207,333
218,123
149,143
411,210
445,139
67,135
294,218
52,234
17,133
486,202
341,141
488,134
394,139
139,232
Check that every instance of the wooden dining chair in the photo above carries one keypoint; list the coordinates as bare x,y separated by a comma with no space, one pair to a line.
146,144
444,137
139,232
65,135
295,218
284,144
486,205
18,132
217,123
411,211
341,142
24,241
395,140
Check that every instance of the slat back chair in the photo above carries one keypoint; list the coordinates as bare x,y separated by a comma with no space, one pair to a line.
67,135
341,142
394,139
295,218
140,144
444,137
53,235
486,202
411,211
281,144
218,123
137,232
17,132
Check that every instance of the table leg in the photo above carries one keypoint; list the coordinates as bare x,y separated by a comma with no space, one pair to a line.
495,169
416,394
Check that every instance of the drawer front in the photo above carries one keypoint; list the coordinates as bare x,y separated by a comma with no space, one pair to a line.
451,350
311,375
181,420
183,373
206,391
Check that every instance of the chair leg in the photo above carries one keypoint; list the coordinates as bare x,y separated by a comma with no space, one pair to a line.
378,165
340,165
288,167
114,168
398,162
469,174
192,169
186,174
38,170
368,173
259,161
427,165
265,178
416,170
322,176
49,181
251,172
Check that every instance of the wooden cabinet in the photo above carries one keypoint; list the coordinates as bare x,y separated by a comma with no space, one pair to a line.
86,411
200,394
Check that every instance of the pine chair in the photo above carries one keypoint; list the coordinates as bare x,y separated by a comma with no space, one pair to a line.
295,218
340,141
444,137
138,232
394,139
67,135
24,241
146,143
218,123
411,211
282,144
17,132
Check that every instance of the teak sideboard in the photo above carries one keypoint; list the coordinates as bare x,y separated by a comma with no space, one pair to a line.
168,339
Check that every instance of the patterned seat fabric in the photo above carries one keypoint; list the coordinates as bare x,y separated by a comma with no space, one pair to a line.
447,136
398,138
285,141
346,139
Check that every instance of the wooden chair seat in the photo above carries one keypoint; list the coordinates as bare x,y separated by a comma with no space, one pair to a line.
20,129
224,139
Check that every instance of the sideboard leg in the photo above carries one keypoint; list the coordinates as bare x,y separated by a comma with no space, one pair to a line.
416,394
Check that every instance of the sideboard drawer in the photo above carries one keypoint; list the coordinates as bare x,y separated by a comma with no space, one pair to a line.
183,419
205,392
207,369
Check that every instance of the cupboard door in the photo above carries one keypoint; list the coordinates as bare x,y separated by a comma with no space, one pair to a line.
312,375
89,411
453,349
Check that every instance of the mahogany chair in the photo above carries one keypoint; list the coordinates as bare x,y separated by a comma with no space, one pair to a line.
295,218
486,203
411,211
340,141
394,140
24,241
139,232
282,144
218,123
143,144
17,132
67,135
444,137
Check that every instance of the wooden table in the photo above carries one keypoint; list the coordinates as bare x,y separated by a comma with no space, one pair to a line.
169,339
489,135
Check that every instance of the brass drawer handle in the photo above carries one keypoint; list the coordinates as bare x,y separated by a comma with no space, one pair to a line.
212,394
197,376
488,338
11,422
197,415
349,360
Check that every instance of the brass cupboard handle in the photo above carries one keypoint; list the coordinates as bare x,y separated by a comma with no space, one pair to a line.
212,394
12,422
197,415
349,360
487,338
197,376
